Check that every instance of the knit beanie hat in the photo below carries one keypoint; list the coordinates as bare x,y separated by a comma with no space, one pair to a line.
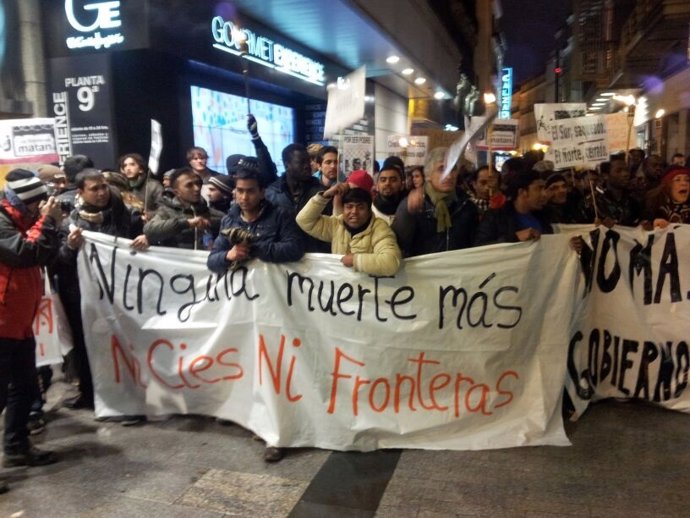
672,172
26,186
223,183
361,179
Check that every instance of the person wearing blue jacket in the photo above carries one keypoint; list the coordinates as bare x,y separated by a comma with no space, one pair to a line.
254,228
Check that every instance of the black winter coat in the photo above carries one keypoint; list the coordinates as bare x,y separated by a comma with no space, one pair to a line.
417,234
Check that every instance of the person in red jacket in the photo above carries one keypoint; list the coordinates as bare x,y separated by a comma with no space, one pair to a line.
28,241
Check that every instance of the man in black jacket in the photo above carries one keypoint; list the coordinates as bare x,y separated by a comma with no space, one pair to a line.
521,218
295,188
435,218
100,210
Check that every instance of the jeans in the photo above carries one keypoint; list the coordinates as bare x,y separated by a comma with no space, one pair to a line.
17,382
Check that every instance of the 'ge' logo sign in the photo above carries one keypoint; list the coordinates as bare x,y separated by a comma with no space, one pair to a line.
107,15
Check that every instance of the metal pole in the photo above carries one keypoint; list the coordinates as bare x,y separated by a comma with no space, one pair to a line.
244,49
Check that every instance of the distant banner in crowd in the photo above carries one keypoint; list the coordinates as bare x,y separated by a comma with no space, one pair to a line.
462,350
617,131
581,141
547,114
504,135
631,341
411,148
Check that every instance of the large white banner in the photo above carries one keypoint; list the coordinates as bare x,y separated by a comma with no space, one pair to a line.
462,350
631,340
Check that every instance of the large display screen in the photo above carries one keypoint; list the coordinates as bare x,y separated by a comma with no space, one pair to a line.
220,126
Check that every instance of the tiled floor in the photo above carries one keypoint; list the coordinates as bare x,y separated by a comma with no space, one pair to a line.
627,460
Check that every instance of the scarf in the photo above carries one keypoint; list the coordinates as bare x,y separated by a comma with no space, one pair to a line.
440,201
387,204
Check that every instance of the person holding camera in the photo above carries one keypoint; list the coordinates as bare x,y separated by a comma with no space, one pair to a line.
28,241
254,228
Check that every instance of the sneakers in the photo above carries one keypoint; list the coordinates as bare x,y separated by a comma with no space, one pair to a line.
36,424
78,402
32,457
273,454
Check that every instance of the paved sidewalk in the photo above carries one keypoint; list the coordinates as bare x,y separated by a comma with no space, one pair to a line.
627,460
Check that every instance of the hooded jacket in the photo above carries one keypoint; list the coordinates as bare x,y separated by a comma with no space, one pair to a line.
24,249
170,225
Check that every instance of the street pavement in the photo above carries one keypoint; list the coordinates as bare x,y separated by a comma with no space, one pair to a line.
627,460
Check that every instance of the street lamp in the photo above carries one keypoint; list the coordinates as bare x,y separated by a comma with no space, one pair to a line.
489,99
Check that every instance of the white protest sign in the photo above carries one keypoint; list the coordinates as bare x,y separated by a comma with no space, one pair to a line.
357,153
462,350
28,141
412,149
156,146
504,135
546,114
578,142
345,103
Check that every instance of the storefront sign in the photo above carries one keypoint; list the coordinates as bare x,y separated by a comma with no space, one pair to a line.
260,49
97,22
81,103
506,93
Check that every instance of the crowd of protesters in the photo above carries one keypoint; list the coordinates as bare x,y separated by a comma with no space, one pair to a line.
370,221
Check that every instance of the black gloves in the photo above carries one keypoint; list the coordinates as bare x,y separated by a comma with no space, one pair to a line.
252,126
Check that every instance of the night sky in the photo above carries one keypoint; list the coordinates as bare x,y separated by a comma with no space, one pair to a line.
529,27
